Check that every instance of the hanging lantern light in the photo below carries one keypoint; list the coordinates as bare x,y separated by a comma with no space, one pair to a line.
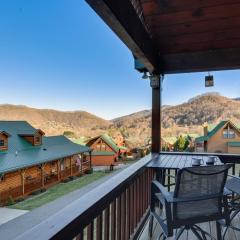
209,80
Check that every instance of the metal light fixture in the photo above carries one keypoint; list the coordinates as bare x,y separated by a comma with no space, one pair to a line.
145,75
209,80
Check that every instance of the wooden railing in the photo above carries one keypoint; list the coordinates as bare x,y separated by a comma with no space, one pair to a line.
116,209
32,185
9,194
65,173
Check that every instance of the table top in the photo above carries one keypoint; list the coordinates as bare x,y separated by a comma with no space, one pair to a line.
178,161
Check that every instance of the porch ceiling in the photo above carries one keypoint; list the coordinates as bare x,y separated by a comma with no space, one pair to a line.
172,36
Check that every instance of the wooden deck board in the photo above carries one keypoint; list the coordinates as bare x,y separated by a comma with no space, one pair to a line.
209,227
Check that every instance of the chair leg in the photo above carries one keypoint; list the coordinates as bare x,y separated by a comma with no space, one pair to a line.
197,234
179,234
204,233
219,233
150,228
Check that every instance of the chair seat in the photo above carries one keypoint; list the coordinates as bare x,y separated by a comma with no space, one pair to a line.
233,185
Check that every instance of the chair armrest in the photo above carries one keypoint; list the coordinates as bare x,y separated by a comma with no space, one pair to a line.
167,196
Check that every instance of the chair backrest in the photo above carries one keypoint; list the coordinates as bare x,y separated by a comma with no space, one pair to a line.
198,183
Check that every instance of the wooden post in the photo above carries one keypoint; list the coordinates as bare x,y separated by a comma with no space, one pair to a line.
42,175
58,170
81,161
23,180
71,165
155,82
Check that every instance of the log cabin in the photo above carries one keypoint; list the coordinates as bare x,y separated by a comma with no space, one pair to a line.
30,161
221,138
105,152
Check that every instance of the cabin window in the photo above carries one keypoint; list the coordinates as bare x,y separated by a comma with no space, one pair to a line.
2,143
231,133
62,164
98,147
103,147
2,177
37,140
228,133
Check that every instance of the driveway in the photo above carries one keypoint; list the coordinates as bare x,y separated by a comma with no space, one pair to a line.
7,214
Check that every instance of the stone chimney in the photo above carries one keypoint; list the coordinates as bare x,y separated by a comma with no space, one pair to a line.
205,129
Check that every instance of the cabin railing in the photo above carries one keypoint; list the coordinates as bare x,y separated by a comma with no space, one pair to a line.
115,210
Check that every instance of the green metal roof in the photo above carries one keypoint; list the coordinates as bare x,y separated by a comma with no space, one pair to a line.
22,154
212,129
212,132
107,139
233,144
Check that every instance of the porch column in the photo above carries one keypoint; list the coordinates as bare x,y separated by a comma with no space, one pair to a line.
71,166
58,170
81,161
155,83
23,180
42,174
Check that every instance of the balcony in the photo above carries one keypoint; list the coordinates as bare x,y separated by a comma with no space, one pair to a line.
116,209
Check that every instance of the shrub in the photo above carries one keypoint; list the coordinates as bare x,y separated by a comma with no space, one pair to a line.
10,200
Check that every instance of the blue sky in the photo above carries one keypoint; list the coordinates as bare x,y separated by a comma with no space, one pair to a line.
59,54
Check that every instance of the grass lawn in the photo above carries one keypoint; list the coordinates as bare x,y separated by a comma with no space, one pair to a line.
57,191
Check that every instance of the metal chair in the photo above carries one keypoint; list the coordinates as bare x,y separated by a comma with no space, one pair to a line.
233,185
198,197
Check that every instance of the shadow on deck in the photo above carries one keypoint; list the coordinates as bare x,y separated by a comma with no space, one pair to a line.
209,227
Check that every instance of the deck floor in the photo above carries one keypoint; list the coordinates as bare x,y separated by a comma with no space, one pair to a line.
209,227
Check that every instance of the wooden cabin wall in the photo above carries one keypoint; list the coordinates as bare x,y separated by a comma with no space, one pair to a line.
10,180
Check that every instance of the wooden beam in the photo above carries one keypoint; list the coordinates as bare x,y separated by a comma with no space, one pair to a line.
214,60
22,172
71,166
122,18
42,174
156,118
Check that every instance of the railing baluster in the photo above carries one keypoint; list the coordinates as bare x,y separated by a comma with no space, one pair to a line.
106,224
119,218
90,231
131,208
128,221
135,204
123,215
113,220
99,227
79,236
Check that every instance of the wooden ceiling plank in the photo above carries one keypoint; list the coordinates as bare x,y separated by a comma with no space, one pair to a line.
223,59
154,7
197,27
196,47
211,13
121,17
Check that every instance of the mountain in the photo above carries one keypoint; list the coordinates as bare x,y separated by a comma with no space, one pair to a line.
184,118
135,128
54,122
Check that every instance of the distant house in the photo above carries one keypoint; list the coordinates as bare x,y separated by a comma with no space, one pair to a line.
30,161
221,138
105,151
